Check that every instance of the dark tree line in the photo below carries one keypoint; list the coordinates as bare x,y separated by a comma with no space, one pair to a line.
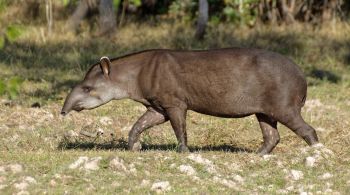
315,11
272,12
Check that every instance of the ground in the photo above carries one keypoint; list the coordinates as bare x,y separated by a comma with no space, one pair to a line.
43,152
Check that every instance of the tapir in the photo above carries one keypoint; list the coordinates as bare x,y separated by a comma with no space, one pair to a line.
229,83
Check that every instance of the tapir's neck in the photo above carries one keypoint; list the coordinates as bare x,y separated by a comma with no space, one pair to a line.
124,77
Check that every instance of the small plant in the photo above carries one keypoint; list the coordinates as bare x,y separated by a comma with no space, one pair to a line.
12,32
182,10
65,2
238,11
116,4
11,87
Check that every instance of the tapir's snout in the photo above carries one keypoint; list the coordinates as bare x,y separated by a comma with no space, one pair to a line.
65,110
79,100
68,104
63,113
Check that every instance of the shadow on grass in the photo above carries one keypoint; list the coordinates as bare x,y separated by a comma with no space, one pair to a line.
112,145
123,145
54,91
347,55
222,147
324,75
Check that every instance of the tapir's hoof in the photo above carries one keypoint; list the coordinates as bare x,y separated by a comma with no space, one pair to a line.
183,149
136,147
262,151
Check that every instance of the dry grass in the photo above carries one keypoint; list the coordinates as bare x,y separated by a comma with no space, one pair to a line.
39,139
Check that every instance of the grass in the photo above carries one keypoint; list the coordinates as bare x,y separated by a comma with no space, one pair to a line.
37,138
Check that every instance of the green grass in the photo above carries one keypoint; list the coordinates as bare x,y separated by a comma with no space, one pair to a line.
49,66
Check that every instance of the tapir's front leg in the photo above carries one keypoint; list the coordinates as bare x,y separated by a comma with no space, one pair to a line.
177,118
147,120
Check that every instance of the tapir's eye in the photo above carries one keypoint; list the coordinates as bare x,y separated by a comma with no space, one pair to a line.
87,89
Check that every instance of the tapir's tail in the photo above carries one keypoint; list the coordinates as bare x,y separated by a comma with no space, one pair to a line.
303,101
304,93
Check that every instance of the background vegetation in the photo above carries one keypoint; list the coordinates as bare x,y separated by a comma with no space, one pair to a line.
43,53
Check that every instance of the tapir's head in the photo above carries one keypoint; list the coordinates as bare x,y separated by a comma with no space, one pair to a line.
96,89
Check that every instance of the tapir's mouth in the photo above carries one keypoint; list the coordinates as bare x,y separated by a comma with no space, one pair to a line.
78,109
64,113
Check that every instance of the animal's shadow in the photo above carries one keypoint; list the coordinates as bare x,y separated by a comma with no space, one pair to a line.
123,145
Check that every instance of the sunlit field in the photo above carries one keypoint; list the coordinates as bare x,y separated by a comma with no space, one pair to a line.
85,153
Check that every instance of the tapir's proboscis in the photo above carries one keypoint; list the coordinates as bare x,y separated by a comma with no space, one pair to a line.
230,83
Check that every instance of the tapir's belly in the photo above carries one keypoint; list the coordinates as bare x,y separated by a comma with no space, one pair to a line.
229,110
226,101
224,114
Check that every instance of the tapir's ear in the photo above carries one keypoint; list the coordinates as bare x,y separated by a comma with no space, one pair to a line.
105,65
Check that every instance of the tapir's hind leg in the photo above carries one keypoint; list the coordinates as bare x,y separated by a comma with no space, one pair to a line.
271,136
147,120
296,123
